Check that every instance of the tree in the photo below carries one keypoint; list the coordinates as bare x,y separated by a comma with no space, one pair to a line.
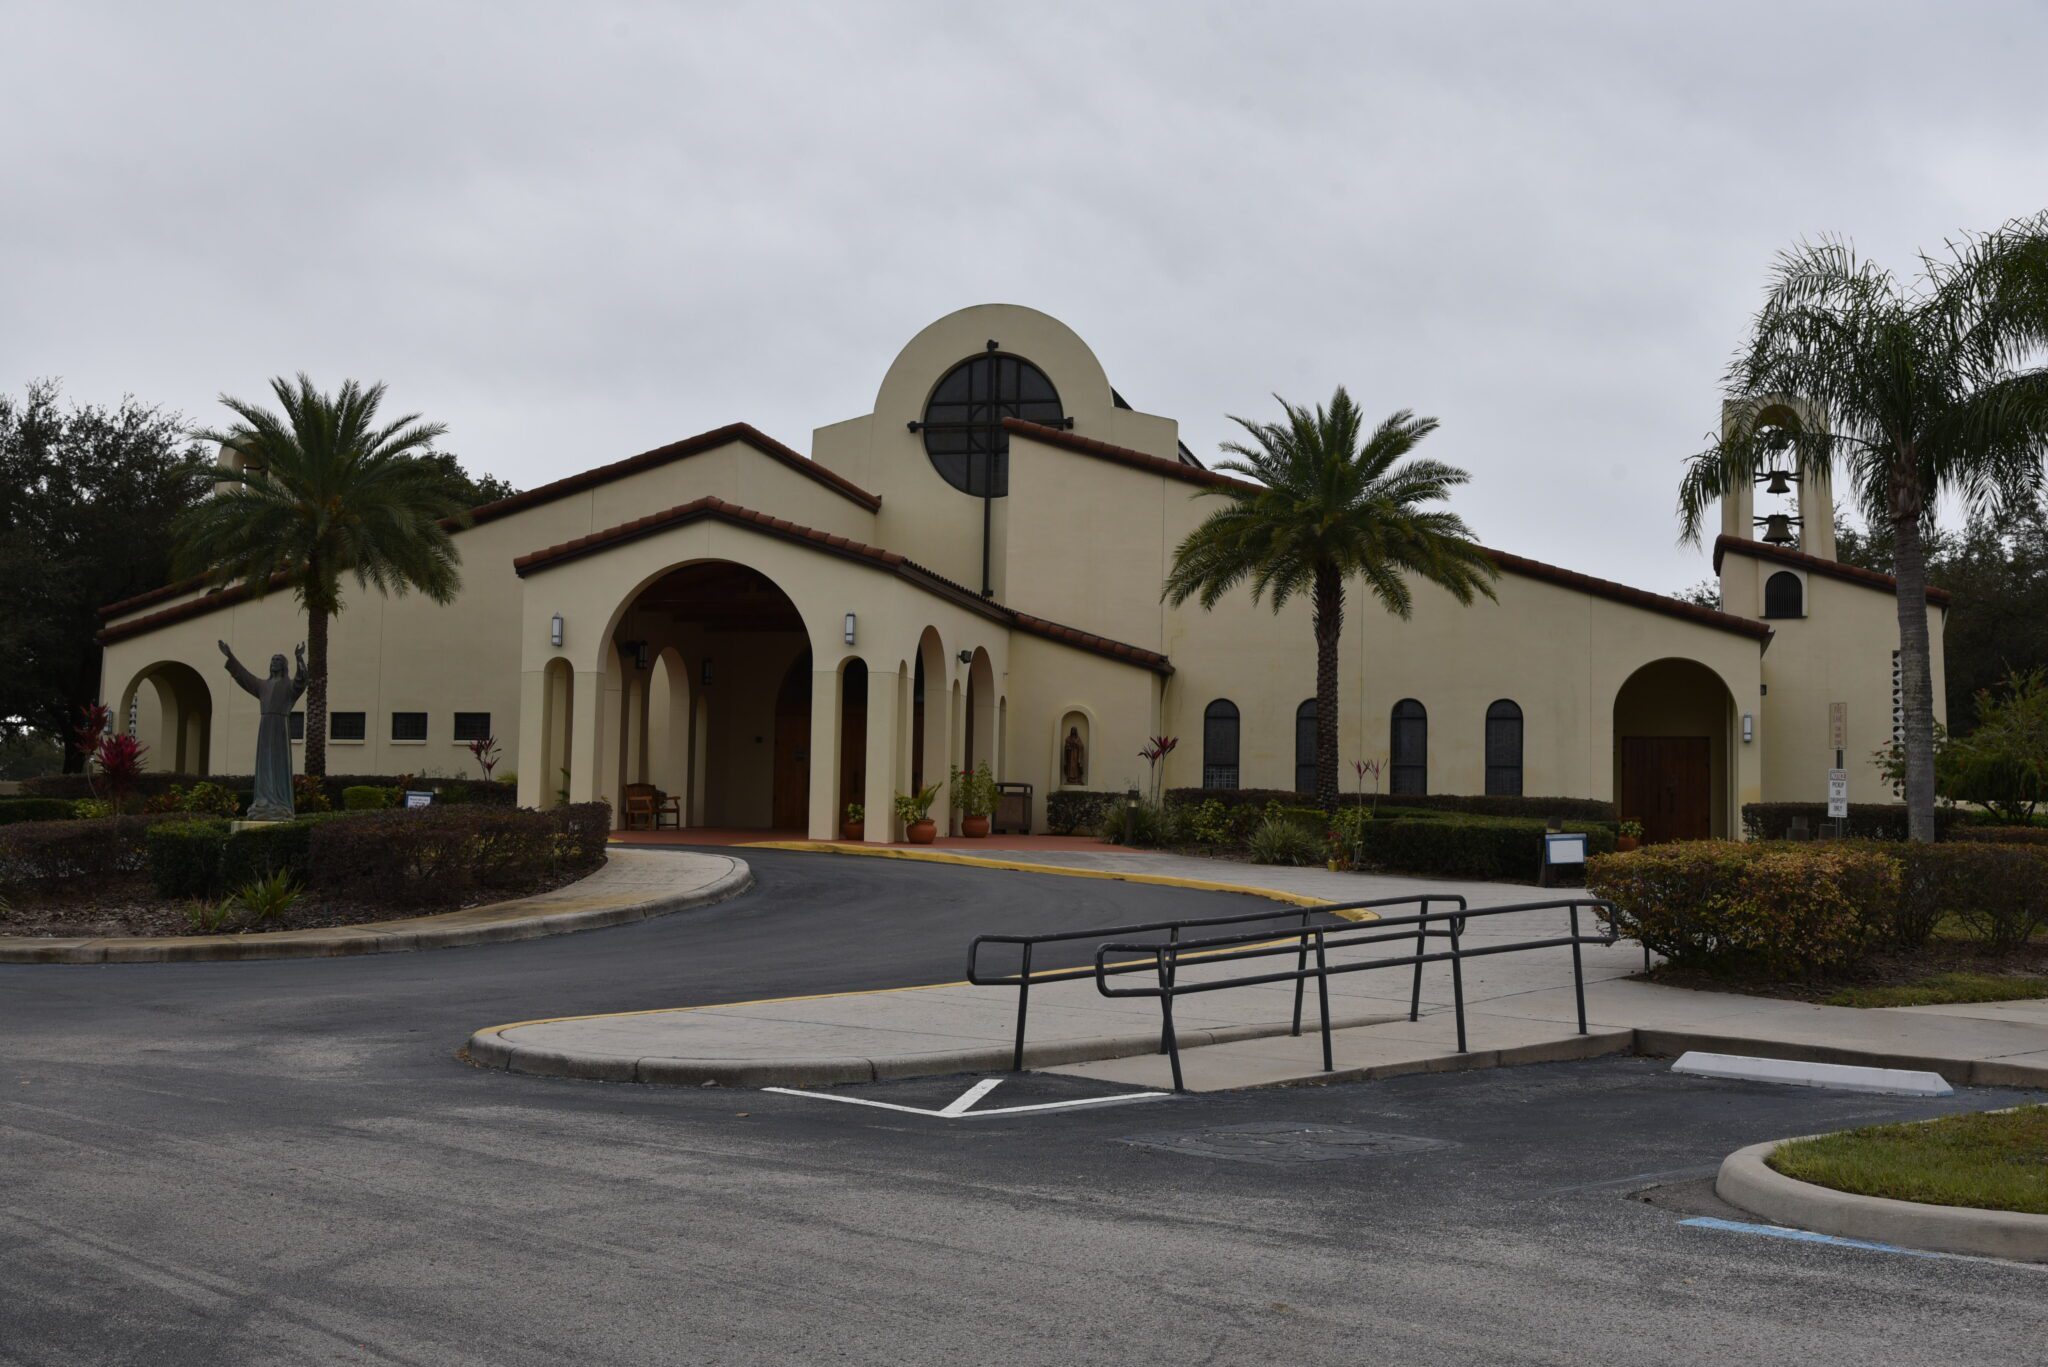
323,491
1705,594
1918,388
87,496
473,490
2003,763
1327,508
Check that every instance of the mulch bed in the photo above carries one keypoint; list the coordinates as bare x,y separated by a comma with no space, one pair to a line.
131,907
1882,970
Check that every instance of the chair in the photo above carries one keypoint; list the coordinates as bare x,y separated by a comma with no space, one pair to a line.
642,804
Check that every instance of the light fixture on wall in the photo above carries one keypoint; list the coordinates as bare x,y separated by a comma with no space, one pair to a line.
555,630
1748,727
967,657
849,628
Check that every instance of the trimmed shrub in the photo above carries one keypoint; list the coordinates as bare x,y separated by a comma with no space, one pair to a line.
255,853
364,797
1538,808
1725,905
15,809
34,853
150,784
1867,820
1073,809
1284,840
1234,797
1459,846
2002,835
185,857
440,855
1999,891
1145,825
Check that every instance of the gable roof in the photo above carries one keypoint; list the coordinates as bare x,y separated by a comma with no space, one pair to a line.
1814,564
1512,564
743,433
715,509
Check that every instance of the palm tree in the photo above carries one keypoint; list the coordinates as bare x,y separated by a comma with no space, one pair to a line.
323,491
1917,389
1326,508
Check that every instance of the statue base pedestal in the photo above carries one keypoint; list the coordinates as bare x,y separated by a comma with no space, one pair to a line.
255,822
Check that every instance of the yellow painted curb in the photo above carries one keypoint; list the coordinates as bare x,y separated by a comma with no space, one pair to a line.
1295,899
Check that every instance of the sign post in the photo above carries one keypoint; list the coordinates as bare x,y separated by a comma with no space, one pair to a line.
1838,794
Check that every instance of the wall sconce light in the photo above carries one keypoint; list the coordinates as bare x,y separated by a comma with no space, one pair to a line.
555,630
704,672
967,657
849,628
1748,727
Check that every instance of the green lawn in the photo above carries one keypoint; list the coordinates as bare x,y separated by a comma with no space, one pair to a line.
1995,1160
1943,988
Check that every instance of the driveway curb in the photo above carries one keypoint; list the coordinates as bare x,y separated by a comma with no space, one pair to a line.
564,911
1748,1181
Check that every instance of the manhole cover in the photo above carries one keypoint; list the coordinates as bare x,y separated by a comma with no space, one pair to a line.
1280,1141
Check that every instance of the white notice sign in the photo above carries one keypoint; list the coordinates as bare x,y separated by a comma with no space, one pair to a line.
1838,794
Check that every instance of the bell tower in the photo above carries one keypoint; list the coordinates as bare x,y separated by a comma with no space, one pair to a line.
1809,524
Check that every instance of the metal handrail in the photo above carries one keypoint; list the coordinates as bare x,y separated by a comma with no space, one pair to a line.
1166,960
1024,977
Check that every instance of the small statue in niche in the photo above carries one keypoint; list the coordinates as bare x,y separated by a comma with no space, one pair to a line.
272,800
1073,759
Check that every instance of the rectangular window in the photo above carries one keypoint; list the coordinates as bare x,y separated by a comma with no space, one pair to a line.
472,726
408,726
345,725
298,726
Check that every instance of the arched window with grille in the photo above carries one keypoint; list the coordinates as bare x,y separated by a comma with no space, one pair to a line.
1504,750
1305,747
1408,749
1784,595
1219,744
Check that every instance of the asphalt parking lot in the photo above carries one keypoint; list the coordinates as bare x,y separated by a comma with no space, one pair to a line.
294,1168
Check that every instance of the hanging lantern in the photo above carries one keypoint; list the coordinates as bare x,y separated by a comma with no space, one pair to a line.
1780,482
1778,530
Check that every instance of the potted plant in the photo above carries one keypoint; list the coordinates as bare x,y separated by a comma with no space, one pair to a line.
855,824
914,810
974,797
1627,835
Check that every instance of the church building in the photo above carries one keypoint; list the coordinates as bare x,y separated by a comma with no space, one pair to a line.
971,572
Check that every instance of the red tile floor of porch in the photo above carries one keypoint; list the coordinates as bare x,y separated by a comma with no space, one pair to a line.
715,835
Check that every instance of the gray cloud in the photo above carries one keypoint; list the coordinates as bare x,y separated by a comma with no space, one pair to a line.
573,232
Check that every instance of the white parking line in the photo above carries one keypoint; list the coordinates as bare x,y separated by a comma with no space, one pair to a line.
958,1108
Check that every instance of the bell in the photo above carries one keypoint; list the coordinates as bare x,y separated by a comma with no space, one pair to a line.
1780,482
1778,530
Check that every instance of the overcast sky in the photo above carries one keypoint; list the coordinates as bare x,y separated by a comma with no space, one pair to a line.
575,231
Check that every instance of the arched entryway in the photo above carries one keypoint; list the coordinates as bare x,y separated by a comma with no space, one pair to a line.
168,708
1673,720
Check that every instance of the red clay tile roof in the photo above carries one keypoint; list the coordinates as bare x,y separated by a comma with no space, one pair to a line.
1813,564
1513,564
578,483
717,509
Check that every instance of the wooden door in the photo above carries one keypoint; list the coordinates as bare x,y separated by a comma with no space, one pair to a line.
1667,783
792,805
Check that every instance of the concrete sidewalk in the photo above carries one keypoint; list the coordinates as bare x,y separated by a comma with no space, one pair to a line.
1520,1008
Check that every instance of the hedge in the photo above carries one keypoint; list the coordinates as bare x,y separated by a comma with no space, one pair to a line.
36,853
1799,909
2002,835
185,857
1068,810
366,797
149,784
441,855
1999,891
1867,820
17,809
1461,846
1541,808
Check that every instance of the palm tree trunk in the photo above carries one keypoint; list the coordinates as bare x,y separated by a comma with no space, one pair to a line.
1329,622
316,692
1916,671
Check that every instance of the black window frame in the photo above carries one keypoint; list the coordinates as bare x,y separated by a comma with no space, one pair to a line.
1776,607
962,426
1504,736
1408,777
1222,725
1305,747
362,726
425,726
456,728
297,725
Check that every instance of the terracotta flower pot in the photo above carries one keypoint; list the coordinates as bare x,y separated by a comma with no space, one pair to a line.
922,832
974,826
852,830
1624,843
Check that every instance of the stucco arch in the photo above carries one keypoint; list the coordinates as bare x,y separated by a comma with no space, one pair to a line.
174,717
1675,765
